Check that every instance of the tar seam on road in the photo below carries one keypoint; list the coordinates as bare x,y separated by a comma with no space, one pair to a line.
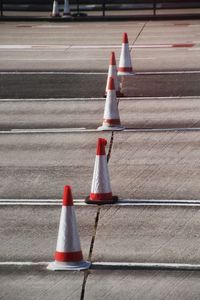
86,274
139,33
110,146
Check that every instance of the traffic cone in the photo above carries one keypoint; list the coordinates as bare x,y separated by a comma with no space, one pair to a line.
112,72
55,12
68,255
111,120
125,64
101,191
66,9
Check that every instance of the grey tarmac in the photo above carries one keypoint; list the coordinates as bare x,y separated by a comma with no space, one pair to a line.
35,282
150,164
77,113
100,284
89,85
30,233
169,234
144,285
153,165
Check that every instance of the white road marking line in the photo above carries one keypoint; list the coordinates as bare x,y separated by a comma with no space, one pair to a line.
95,73
81,202
71,130
52,99
55,59
116,265
23,263
168,72
135,265
68,59
50,73
15,46
57,46
48,130
101,99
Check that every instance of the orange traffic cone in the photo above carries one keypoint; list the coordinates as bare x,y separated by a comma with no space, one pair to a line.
55,11
125,64
111,120
68,255
101,191
66,10
112,72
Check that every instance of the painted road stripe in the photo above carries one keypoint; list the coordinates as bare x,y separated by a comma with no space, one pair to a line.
101,99
116,265
64,47
51,73
146,266
55,99
81,202
68,59
23,263
70,130
54,59
95,73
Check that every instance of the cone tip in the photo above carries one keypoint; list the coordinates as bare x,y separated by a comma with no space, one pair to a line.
112,59
101,143
111,84
67,196
125,38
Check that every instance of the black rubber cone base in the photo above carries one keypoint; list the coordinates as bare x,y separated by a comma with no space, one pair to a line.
100,202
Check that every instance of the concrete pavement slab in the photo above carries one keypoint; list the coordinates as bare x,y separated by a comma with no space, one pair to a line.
135,113
99,34
93,85
97,59
73,33
30,233
36,282
153,84
51,85
153,165
146,285
148,234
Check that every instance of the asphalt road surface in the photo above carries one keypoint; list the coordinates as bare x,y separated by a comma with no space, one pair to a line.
52,78
144,165
87,85
148,112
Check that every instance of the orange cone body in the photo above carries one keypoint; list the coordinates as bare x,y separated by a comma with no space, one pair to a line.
55,12
111,119
125,64
112,72
100,190
68,255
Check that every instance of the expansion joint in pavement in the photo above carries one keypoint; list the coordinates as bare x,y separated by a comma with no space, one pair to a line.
110,146
90,253
139,33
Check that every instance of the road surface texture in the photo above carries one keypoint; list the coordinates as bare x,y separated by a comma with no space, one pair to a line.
52,84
